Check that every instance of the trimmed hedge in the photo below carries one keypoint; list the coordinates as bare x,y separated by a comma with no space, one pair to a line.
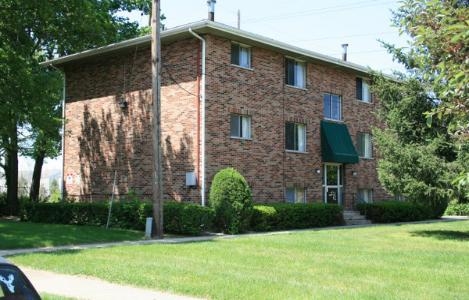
283,216
394,211
179,218
231,199
457,209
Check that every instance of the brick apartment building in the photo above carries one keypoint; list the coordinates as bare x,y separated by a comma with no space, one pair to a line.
295,123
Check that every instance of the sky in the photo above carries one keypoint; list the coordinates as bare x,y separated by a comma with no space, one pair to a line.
321,26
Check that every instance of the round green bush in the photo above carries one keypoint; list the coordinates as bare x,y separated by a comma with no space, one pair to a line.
231,199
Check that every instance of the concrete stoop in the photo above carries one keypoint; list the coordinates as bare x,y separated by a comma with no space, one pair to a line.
352,217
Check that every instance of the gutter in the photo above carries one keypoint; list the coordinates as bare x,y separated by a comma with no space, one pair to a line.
202,103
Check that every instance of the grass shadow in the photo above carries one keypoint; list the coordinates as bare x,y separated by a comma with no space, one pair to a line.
443,234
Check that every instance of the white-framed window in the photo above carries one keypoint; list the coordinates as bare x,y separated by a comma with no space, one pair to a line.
365,145
295,137
363,90
295,73
332,107
240,126
295,195
241,55
365,195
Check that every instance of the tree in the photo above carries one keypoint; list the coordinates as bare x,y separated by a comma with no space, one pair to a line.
30,32
438,53
415,159
427,111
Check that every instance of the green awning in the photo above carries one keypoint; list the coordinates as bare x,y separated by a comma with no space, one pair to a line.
336,143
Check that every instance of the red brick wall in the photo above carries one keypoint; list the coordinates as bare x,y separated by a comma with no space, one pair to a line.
102,138
261,93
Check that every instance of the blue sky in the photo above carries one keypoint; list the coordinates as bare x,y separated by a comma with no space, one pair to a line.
321,26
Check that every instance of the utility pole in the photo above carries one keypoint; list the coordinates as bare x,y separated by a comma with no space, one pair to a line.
157,231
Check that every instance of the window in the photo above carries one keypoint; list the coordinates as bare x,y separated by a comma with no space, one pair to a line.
295,195
365,195
295,137
363,90
295,73
332,107
364,145
241,55
240,126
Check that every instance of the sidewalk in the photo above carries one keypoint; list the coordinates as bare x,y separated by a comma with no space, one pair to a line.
81,287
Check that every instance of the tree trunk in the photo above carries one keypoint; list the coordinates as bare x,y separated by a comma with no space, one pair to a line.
11,174
36,181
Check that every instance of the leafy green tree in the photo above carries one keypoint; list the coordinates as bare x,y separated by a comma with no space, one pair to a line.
30,32
422,154
438,54
54,191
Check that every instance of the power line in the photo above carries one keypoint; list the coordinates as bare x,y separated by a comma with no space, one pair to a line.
343,36
323,10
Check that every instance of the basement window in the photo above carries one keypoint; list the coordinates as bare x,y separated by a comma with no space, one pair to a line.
241,55
365,195
295,195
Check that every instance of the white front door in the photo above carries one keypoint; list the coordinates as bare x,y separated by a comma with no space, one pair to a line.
332,183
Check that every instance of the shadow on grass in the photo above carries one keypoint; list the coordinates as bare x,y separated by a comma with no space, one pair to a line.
443,234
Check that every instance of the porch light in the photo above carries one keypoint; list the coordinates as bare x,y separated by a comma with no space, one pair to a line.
318,171
354,173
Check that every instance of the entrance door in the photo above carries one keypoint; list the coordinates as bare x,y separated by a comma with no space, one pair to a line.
333,183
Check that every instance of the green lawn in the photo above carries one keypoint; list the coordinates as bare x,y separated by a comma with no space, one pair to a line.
14,235
419,261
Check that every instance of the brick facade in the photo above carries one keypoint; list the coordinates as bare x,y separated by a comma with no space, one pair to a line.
102,138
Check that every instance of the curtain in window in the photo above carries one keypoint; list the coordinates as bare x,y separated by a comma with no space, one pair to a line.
301,137
244,57
246,127
335,107
368,147
299,74
300,195
366,92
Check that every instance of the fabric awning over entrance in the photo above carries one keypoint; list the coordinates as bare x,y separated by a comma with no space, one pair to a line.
336,143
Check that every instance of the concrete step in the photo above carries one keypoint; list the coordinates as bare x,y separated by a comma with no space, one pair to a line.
355,218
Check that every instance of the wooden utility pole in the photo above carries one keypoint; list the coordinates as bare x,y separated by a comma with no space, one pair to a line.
157,231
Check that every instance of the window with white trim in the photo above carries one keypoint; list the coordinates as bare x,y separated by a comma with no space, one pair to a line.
363,90
295,137
365,195
364,145
241,55
332,106
295,195
295,73
240,126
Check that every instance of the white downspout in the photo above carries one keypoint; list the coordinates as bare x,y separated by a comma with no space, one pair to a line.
202,103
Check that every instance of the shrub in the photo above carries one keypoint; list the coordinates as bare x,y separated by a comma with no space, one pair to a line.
179,218
187,218
457,209
395,211
231,199
282,216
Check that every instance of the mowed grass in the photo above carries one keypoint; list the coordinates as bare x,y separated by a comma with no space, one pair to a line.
417,261
16,235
